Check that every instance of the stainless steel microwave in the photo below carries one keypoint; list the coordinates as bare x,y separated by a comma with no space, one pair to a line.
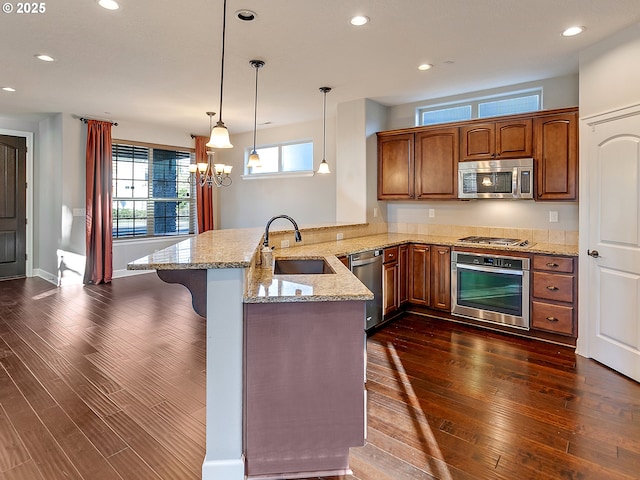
512,178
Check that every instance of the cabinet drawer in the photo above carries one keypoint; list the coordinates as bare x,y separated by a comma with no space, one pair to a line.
553,318
553,286
553,264
390,254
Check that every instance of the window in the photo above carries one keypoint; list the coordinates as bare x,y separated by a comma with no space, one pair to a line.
508,104
152,195
282,159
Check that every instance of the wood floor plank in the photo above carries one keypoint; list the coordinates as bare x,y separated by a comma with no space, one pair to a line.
110,380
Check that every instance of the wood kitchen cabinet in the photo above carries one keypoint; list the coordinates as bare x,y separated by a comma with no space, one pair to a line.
554,294
490,140
403,271
556,157
390,282
418,166
430,276
395,166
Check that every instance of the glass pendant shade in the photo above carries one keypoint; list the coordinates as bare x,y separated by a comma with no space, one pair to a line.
324,167
254,160
219,137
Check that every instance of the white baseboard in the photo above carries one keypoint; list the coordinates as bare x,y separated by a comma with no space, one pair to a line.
128,273
49,277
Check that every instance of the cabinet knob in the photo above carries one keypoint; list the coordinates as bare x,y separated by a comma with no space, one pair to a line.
552,319
552,265
552,288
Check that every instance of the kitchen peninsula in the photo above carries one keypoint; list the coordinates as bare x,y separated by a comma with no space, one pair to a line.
297,339
245,304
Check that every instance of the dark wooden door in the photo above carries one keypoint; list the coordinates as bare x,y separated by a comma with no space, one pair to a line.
13,201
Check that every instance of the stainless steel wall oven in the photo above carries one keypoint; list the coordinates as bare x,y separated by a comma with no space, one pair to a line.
491,288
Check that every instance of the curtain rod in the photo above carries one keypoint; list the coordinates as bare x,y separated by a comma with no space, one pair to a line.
85,120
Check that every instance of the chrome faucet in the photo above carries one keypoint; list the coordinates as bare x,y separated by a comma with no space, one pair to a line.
298,237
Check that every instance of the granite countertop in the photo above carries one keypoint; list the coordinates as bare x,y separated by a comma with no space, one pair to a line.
238,248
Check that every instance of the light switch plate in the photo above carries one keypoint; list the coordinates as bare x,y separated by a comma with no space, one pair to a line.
339,236
284,243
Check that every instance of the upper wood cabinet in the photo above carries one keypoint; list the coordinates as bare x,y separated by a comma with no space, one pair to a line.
395,167
556,157
436,163
418,166
505,139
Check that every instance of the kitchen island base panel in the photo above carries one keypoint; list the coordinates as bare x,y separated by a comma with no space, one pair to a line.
304,386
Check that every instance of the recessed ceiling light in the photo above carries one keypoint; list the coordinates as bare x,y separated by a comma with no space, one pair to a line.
359,20
109,4
425,66
44,58
8,89
572,31
246,15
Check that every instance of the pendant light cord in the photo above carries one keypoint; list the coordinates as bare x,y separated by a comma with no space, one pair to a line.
255,108
224,29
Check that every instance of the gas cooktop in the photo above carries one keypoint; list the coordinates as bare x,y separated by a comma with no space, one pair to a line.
507,242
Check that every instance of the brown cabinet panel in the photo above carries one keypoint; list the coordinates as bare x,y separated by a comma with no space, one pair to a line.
390,290
514,138
436,154
556,156
395,167
478,142
420,278
554,294
506,139
390,255
553,264
441,277
551,286
553,318
403,270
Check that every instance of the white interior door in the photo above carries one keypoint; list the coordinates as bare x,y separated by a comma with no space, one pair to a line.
613,212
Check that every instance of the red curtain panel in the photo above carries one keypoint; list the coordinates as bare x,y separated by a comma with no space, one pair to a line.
204,195
99,268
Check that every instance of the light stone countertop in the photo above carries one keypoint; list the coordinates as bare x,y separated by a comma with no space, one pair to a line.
237,248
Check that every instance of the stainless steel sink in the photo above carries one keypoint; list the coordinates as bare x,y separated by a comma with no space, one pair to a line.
301,266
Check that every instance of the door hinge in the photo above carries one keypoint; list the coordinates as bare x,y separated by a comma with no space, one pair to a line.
26,256
26,221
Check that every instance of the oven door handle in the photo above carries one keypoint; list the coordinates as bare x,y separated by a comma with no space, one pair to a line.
479,268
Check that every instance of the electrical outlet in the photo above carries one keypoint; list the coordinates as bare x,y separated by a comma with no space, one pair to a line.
553,216
375,212
432,213
339,236
79,212
284,243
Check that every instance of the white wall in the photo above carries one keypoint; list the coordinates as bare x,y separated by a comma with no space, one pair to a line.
610,73
252,202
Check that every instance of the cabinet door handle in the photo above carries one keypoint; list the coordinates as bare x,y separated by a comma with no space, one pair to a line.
593,253
552,319
552,288
552,265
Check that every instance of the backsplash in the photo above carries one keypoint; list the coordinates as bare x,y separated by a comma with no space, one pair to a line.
556,237
313,235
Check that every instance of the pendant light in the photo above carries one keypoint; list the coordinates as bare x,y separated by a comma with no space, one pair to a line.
219,133
324,166
254,158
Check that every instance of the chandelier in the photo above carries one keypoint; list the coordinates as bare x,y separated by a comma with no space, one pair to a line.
210,173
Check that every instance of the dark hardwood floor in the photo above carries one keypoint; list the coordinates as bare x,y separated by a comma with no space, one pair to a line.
108,382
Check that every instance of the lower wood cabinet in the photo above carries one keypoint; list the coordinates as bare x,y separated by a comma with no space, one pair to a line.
430,276
403,272
554,294
390,282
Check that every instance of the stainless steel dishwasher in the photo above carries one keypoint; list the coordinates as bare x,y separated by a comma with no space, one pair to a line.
367,266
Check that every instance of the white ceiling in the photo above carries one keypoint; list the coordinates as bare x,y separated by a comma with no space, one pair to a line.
158,61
